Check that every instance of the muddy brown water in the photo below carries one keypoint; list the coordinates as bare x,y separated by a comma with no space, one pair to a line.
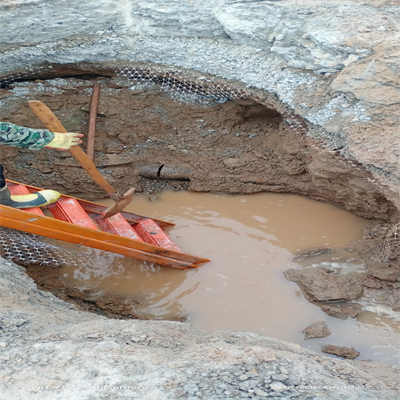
251,240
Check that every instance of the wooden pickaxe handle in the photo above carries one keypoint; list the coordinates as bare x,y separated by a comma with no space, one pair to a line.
53,124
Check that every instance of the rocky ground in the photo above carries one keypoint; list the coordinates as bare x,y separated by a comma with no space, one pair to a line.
50,350
290,96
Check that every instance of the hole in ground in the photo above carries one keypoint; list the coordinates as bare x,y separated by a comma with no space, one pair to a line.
235,147
251,240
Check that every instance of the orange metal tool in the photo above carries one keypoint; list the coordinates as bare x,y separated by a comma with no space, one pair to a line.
80,221
56,229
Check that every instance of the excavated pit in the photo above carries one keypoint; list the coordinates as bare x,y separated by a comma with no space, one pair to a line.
240,146
148,139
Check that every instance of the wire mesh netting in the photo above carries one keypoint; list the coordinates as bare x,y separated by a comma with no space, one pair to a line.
28,249
6,81
198,91
205,92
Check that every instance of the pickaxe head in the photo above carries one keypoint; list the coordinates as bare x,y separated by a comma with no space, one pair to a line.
120,204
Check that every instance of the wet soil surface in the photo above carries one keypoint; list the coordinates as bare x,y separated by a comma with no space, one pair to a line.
253,242
112,306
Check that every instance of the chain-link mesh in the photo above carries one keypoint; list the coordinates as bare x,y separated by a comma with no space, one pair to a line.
6,81
27,249
185,90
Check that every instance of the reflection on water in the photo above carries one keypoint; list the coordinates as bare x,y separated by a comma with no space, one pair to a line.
250,240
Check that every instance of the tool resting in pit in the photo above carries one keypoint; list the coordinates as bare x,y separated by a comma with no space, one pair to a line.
33,139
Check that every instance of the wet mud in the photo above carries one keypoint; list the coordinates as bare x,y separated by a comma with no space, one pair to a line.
148,140
256,239
145,138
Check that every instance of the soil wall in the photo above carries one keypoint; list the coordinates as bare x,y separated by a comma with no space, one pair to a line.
145,138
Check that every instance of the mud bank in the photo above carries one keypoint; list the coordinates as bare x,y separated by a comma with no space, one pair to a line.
148,140
155,140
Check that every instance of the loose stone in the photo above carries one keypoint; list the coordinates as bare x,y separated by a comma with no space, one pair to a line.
341,351
316,330
278,386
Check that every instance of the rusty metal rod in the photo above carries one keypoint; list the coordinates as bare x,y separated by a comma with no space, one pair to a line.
94,101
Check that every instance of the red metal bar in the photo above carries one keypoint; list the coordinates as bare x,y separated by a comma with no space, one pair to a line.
71,211
152,233
118,225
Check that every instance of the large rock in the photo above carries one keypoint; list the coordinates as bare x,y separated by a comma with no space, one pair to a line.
341,351
317,329
305,34
322,285
190,19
